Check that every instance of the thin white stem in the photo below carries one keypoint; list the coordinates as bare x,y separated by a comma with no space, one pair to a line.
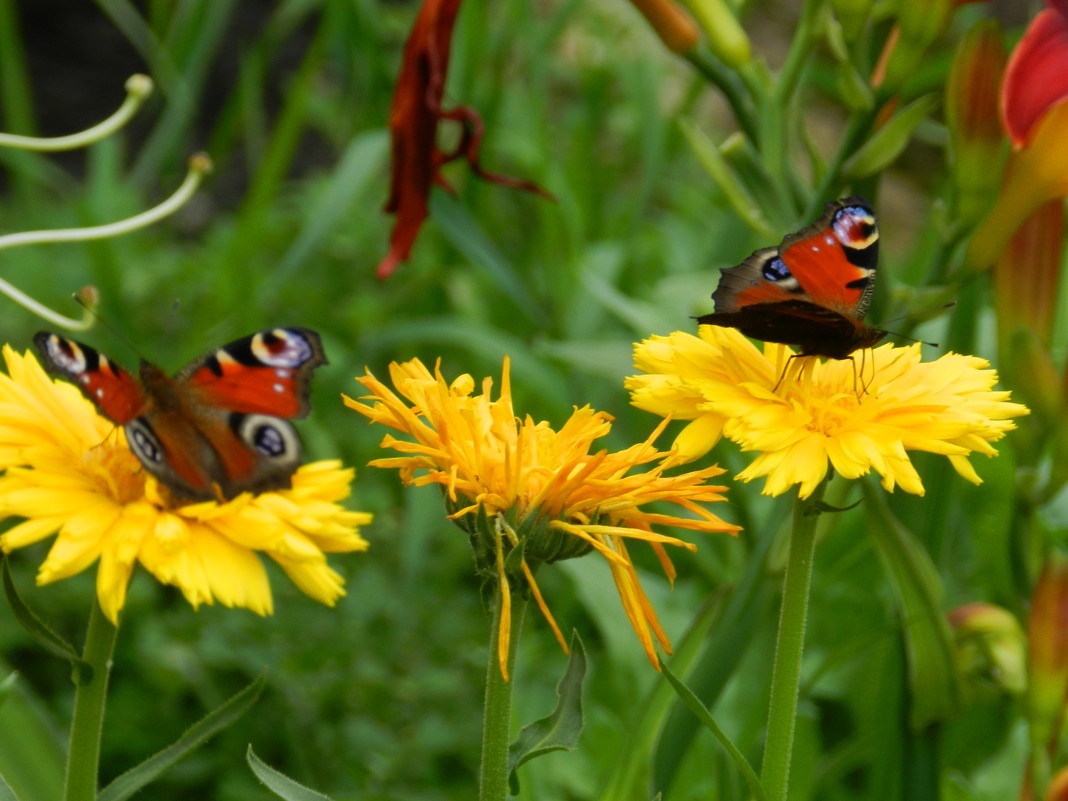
138,87
199,164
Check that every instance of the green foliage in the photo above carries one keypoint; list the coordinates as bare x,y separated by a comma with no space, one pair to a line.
655,189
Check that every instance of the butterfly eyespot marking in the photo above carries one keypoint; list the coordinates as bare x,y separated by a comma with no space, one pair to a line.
143,442
268,436
281,348
855,227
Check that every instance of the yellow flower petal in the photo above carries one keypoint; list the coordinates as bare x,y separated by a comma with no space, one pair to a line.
804,416
70,473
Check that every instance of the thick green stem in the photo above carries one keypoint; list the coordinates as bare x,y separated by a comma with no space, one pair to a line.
786,674
87,726
497,715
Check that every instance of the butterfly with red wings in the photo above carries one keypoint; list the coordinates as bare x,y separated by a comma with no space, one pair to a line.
217,428
813,290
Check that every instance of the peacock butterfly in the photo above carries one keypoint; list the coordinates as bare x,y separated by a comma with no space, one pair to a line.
219,426
812,290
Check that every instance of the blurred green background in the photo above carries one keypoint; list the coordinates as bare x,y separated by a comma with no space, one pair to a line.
381,697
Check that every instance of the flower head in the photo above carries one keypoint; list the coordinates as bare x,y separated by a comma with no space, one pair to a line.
70,473
535,485
804,415
413,124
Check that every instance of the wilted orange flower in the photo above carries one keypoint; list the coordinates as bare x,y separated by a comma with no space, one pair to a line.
413,125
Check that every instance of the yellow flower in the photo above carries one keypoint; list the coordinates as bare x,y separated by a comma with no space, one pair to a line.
802,414
530,483
69,472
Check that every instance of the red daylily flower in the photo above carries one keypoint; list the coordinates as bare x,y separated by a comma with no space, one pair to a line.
1037,74
413,124
1034,112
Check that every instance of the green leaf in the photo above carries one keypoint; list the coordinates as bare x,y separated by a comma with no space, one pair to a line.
196,735
6,793
694,704
559,731
933,679
886,144
463,230
32,750
631,775
740,199
360,166
37,628
280,784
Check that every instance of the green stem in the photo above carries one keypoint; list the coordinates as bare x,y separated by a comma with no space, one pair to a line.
497,715
786,674
87,725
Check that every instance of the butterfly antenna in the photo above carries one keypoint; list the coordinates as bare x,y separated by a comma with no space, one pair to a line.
922,312
918,314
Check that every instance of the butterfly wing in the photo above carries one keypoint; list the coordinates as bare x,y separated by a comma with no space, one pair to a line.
241,396
116,393
812,290
264,373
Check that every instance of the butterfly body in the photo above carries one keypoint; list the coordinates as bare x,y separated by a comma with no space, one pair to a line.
219,427
811,291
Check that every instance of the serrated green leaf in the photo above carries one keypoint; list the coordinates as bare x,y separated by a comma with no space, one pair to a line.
693,703
934,683
280,784
558,731
37,628
196,735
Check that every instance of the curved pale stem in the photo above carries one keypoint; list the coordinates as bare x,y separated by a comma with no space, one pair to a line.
199,165
138,87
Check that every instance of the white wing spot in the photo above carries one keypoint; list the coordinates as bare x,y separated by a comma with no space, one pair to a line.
828,239
279,388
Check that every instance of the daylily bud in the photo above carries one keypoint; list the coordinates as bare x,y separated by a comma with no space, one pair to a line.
726,37
919,24
976,139
672,24
990,648
1027,276
1058,788
1047,631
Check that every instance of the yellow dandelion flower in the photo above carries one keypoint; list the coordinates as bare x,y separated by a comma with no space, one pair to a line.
537,486
804,415
70,473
